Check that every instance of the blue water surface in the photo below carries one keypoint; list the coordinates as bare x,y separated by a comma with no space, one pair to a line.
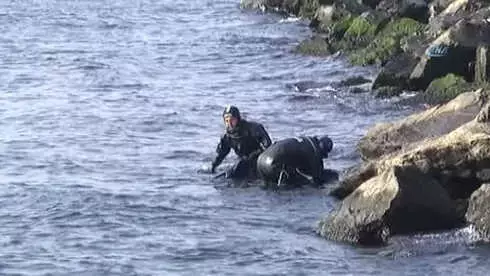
109,108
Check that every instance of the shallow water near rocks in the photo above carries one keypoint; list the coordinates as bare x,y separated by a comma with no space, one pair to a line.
109,108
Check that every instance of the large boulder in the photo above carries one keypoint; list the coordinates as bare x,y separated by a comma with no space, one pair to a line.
394,74
400,200
450,157
414,9
454,51
439,120
478,213
445,55
422,188
353,177
441,6
446,13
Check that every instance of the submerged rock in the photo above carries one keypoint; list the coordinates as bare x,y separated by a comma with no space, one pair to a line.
352,81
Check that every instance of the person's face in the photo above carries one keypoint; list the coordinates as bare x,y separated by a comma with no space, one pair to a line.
230,121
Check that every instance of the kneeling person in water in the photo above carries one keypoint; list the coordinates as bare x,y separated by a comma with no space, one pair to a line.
293,161
248,139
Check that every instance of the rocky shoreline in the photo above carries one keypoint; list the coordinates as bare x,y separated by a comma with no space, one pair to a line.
431,170
439,47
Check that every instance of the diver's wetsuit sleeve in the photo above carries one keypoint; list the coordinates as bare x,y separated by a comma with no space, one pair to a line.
317,170
264,140
315,161
222,151
263,137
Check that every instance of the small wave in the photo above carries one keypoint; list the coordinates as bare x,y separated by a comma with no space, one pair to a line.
322,89
147,207
308,86
408,94
67,25
178,154
94,66
433,243
301,98
63,51
291,19
109,87
195,191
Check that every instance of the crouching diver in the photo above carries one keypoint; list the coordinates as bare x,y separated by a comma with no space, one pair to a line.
296,161
248,139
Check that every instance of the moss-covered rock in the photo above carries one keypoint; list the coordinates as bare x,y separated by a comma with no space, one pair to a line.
341,26
445,88
362,30
316,46
360,26
387,42
332,20
441,90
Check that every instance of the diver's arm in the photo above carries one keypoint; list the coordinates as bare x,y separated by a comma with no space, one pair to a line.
318,172
222,151
262,137
315,170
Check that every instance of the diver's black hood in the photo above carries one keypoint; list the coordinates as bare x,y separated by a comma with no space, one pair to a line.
233,111
325,144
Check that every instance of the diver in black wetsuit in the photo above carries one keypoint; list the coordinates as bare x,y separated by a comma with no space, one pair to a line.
248,140
295,161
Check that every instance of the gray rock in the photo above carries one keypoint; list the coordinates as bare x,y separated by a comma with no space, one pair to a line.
399,201
390,137
396,72
477,213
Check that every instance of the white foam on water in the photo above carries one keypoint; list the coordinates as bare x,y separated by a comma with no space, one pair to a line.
289,20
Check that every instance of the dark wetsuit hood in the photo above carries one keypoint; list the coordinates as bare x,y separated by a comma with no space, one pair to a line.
234,112
325,145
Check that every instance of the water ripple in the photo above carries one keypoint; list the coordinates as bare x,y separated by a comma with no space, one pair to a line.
109,108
